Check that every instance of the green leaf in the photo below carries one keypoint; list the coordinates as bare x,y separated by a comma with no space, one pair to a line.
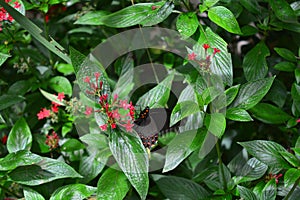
286,54
297,75
9,100
132,158
35,31
215,123
20,137
72,145
31,194
251,6
3,58
17,159
44,171
291,158
125,82
231,94
92,18
238,114
73,191
267,152
19,87
179,188
269,114
291,176
283,11
285,66
95,140
77,59
113,184
182,110
181,147
252,170
246,193
52,97
157,96
65,68
252,92
61,84
224,18
269,191
277,94
158,15
67,127
187,24
255,64
221,63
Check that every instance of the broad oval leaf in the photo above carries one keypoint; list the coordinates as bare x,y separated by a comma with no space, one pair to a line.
255,64
20,137
269,114
179,188
132,158
61,84
283,11
285,66
238,114
231,94
158,14
291,176
215,123
269,192
187,24
44,171
246,193
113,184
31,194
252,92
286,54
267,152
183,109
9,100
19,88
73,191
223,17
92,18
252,170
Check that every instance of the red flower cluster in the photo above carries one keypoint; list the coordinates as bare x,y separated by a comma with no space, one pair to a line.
115,111
271,176
4,15
45,113
52,140
205,62
53,11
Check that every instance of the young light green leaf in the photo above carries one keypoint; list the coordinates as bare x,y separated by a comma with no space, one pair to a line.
187,24
113,184
238,114
231,94
223,17
215,123
52,97
73,191
291,176
182,110
61,84
3,58
20,137
92,18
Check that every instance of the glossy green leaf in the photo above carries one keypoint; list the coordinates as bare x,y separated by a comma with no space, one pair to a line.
17,159
9,100
238,114
255,64
277,94
291,176
19,88
286,54
66,69
182,110
267,152
252,170
291,158
215,123
283,11
20,137
181,147
251,6
95,140
270,114
285,66
269,192
207,4
61,84
67,127
73,191
132,158
157,96
72,145
231,94
77,59
3,58
224,18
246,193
187,24
42,172
179,188
297,75
249,30
159,14
92,18
222,62
113,184
52,97
252,92
31,194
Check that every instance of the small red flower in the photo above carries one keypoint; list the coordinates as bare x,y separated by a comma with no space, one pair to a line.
52,140
44,113
271,176
103,127
116,114
128,126
124,104
54,107
113,126
192,56
206,46
88,111
17,5
216,50
87,79
4,139
153,7
60,96
298,120
97,75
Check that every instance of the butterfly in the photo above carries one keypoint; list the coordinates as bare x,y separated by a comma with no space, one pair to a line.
151,123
